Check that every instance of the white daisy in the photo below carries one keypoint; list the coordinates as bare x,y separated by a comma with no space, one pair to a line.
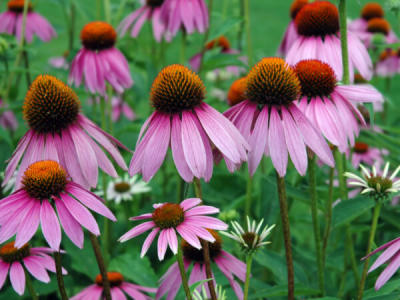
122,189
251,239
374,183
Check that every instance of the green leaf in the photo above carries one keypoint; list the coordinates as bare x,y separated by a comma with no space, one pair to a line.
384,291
197,284
348,210
221,27
281,291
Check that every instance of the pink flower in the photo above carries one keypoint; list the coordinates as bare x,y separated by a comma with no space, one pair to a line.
7,118
11,22
330,107
151,11
391,255
189,15
370,11
59,132
187,218
99,61
377,26
272,123
45,189
229,265
363,153
119,107
35,260
60,62
291,31
189,125
388,63
119,287
318,29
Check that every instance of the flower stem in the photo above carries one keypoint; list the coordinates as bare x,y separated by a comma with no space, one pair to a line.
27,72
248,32
314,213
343,40
248,273
372,232
240,31
206,35
328,215
30,287
60,279
183,47
102,266
182,270
249,198
107,11
71,27
204,245
280,182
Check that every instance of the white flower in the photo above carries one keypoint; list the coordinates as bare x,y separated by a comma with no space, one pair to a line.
251,239
221,295
375,183
124,188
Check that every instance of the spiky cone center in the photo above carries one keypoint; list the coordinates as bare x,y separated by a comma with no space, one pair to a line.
272,82
237,91
115,279
319,18
296,6
221,42
251,239
378,25
9,254
316,78
358,79
360,148
379,184
372,10
17,6
50,105
122,187
98,35
193,254
169,215
44,179
175,89
154,3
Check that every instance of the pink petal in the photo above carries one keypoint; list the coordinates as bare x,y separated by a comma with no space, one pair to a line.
277,143
17,278
50,226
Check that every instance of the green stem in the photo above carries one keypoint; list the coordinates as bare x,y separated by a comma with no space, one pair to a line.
185,282
27,71
181,189
206,35
30,287
248,32
205,247
98,10
249,194
183,47
71,27
343,40
248,273
314,214
107,11
280,183
60,279
120,11
109,107
101,264
372,232
328,214
240,31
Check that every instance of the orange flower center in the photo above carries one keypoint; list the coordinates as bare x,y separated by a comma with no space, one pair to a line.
296,6
237,91
169,215
318,19
378,25
358,79
196,255
316,78
386,54
154,3
360,148
17,6
50,105
272,82
372,10
9,253
98,36
114,278
221,42
175,89
44,179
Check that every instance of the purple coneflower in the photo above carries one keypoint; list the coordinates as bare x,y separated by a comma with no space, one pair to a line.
370,11
46,189
237,91
119,287
99,61
37,262
271,121
363,153
189,125
291,31
332,108
150,10
187,218
11,22
229,265
190,15
388,63
318,28
119,108
377,26
7,118
59,132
